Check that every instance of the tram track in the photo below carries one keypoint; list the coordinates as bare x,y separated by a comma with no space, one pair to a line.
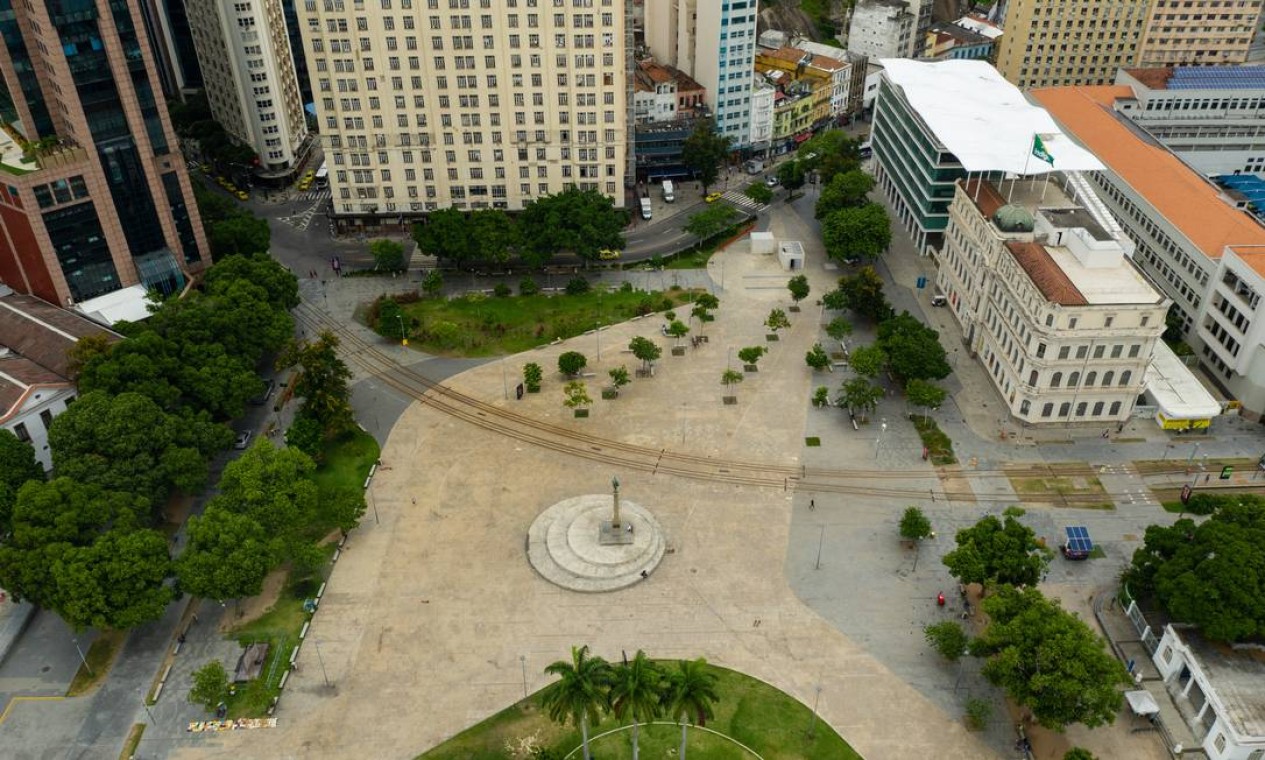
634,457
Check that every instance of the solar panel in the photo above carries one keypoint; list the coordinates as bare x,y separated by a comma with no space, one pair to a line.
1217,78
1078,541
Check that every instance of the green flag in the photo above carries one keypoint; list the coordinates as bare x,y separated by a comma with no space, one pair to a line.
1038,150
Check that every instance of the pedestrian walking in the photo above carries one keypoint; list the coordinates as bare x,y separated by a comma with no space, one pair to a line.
812,504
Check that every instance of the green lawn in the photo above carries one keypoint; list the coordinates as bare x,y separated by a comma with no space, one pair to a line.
750,711
489,326
346,463
1064,484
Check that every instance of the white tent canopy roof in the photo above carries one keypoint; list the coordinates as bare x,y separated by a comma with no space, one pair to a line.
984,120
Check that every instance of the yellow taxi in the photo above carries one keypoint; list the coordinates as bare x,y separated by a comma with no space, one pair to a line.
242,195
713,197
607,254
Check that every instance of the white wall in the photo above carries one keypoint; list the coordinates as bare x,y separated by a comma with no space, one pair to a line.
53,400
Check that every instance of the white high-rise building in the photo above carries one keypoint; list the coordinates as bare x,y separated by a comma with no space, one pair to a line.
425,104
713,41
248,73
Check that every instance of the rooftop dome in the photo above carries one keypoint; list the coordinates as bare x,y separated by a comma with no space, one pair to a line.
1012,218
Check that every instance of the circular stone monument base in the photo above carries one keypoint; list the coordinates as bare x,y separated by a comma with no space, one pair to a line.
563,544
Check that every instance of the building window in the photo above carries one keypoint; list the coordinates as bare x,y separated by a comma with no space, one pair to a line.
1056,380
1107,378
1098,406
1047,410
1115,408
1074,380
1024,407
47,418
1125,377
1064,409
1040,350
22,433
1090,379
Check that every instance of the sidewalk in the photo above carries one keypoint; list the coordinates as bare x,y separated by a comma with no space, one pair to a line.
13,619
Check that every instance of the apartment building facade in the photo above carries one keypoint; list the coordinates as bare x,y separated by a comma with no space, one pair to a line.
1199,33
1069,42
429,104
249,77
105,201
1049,302
1190,241
883,29
714,42
1213,117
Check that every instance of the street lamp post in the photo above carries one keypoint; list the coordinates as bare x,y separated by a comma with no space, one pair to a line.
83,659
1193,452
522,660
878,443
145,704
321,660
403,335
820,539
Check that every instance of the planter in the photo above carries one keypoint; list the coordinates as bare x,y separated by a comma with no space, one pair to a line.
794,308
729,400
750,368
771,337
645,372
609,393
678,350
581,413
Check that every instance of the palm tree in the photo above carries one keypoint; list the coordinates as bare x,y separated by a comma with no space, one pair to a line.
580,693
636,692
690,694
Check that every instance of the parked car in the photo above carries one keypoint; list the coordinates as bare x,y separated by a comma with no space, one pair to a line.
608,254
243,439
772,180
713,197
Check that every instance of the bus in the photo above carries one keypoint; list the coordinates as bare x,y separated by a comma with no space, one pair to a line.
322,175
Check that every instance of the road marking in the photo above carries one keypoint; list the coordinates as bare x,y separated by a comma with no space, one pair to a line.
9,707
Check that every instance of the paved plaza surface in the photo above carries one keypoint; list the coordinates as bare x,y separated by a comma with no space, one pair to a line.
428,614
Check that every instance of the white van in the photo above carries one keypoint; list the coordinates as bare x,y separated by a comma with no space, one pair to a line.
668,191
754,166
645,208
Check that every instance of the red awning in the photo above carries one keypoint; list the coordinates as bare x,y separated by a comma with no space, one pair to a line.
802,138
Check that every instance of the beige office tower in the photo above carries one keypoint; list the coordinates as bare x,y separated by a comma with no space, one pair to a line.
1070,42
427,104
1199,32
249,76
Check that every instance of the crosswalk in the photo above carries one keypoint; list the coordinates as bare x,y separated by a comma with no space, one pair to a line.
736,198
315,195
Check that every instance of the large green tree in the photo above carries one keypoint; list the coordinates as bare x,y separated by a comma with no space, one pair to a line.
690,695
863,293
493,235
913,350
710,221
446,235
127,443
1049,661
388,255
1210,574
17,466
998,551
280,284
846,190
273,487
322,381
582,222
239,235
862,232
705,150
861,395
792,175
636,694
228,556
86,554
925,394
581,692
119,581
835,152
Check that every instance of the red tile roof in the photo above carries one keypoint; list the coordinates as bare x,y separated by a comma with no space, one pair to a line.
1045,273
1180,194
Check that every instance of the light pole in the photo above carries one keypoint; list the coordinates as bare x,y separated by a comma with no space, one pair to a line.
321,660
1193,452
505,385
820,539
83,659
145,704
373,503
878,443
522,660
403,335
812,726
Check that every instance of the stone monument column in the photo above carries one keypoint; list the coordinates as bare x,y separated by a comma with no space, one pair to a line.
615,516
